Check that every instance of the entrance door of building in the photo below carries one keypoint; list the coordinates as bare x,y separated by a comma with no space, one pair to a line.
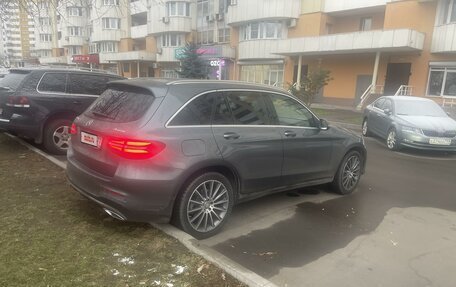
397,74
362,83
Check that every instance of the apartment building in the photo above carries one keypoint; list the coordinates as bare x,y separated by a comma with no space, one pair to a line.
17,34
369,46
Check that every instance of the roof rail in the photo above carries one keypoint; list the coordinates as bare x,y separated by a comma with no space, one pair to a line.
77,68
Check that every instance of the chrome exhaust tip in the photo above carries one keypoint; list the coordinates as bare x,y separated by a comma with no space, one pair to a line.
114,214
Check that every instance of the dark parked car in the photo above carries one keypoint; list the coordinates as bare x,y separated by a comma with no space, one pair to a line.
41,104
151,150
410,121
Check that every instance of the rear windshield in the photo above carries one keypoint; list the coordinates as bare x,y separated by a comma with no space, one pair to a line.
12,81
121,106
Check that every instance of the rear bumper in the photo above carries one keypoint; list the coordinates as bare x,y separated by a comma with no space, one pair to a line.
138,202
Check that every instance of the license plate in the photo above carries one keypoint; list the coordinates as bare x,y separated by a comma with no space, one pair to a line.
440,141
90,139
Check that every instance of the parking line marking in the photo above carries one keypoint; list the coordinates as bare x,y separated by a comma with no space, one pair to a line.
234,269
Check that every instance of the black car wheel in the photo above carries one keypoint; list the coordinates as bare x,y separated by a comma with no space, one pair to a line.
349,173
57,136
205,205
391,140
365,129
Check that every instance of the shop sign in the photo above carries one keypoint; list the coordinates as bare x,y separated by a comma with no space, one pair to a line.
86,59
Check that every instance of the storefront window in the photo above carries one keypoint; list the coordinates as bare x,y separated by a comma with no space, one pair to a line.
263,74
442,82
169,74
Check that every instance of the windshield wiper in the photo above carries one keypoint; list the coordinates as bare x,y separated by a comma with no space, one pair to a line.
101,115
402,114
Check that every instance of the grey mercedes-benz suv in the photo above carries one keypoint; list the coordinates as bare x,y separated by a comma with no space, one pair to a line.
154,150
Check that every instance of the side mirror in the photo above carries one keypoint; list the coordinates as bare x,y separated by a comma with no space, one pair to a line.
324,125
387,112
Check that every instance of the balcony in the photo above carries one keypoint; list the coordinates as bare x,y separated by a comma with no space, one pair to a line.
344,5
54,60
251,10
167,54
400,40
444,39
74,41
217,51
170,24
100,35
138,6
259,49
139,31
127,56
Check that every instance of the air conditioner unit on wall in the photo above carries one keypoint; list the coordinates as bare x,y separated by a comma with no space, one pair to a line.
292,23
210,18
219,17
165,20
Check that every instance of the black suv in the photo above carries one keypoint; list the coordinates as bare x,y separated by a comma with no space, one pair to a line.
41,103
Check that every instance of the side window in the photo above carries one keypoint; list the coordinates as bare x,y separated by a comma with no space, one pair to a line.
53,82
379,104
197,112
248,108
86,84
291,113
222,113
387,105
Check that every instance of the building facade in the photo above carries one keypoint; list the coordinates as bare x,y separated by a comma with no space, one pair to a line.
369,46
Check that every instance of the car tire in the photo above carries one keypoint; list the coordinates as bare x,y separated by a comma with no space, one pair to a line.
365,129
349,173
204,205
391,140
56,136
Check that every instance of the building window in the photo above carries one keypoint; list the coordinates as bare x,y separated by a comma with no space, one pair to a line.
74,11
45,37
74,31
262,30
171,40
111,23
449,12
205,37
442,82
365,24
74,50
224,35
111,2
107,47
44,21
169,74
263,74
139,19
93,49
178,8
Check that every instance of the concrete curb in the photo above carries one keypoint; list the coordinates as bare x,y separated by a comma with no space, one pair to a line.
230,267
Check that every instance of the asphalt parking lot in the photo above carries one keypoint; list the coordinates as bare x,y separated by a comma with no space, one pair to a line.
397,229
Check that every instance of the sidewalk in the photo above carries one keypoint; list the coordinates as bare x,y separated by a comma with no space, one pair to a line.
340,116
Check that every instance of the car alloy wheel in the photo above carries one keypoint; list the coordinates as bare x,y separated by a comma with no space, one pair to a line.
208,206
349,173
391,140
61,137
204,205
365,129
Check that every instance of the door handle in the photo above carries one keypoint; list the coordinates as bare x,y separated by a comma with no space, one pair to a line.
77,102
231,136
290,134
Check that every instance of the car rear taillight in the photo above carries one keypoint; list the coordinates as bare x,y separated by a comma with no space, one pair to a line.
18,102
73,129
135,149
